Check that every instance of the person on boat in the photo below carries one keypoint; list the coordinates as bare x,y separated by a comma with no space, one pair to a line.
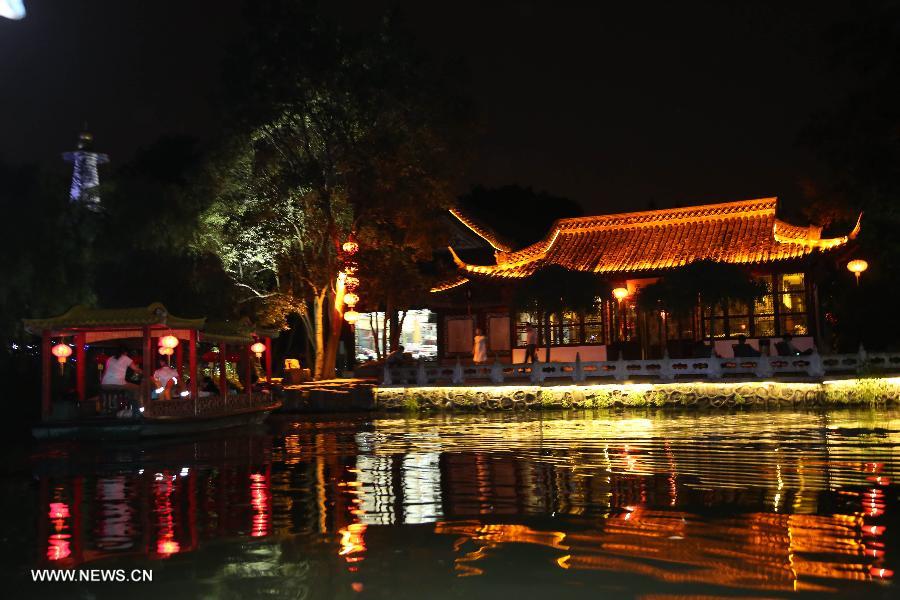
165,378
479,349
115,371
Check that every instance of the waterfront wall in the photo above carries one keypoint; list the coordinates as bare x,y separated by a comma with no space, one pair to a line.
841,392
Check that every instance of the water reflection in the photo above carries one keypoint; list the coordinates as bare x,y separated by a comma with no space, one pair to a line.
638,504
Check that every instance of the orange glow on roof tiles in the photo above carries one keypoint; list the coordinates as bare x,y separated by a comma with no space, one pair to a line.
744,232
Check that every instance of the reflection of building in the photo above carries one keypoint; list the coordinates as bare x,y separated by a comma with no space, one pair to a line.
630,251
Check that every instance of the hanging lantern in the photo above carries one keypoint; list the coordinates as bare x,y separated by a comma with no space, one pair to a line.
351,282
168,341
166,351
620,293
350,246
857,266
258,348
61,352
350,299
351,316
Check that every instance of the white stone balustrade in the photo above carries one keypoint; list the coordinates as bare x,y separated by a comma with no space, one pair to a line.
813,365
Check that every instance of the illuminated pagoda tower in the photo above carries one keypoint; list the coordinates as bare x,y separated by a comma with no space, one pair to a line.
84,173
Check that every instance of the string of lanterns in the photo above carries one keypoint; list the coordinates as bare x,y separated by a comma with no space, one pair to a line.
351,281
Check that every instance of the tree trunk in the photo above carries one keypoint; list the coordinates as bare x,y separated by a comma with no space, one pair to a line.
376,340
319,319
391,314
336,324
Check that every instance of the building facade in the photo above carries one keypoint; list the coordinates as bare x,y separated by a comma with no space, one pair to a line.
630,251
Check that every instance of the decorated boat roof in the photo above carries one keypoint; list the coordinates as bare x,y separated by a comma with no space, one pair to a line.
743,232
86,318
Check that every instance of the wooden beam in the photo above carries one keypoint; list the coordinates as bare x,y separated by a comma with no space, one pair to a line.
147,366
192,367
223,379
80,367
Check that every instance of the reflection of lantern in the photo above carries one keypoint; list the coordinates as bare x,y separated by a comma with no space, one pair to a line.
857,266
350,299
169,341
351,316
350,247
620,293
258,348
62,352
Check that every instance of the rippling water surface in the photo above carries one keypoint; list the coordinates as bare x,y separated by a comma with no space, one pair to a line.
580,504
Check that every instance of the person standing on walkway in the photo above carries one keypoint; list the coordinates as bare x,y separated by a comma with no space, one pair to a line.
530,343
479,348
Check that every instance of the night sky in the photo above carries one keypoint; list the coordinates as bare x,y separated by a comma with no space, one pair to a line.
616,107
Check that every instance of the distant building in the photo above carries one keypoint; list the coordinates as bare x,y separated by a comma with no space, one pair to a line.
630,251
84,172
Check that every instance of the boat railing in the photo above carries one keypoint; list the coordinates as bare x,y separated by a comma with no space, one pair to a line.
214,404
812,365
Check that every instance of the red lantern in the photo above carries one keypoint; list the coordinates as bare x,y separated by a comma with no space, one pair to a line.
168,341
258,348
61,352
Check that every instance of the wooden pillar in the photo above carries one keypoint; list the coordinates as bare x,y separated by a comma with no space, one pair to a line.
192,367
80,358
223,379
179,360
248,369
268,359
147,366
46,375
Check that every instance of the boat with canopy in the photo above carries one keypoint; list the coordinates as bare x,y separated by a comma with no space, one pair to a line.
224,374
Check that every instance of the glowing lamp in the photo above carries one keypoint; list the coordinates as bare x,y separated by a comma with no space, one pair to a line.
620,293
351,316
61,352
351,281
168,341
350,299
857,266
166,351
350,247
258,348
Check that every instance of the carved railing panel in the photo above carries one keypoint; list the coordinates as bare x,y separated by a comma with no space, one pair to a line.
206,405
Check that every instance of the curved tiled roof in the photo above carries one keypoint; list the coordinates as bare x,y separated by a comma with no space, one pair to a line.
483,232
744,232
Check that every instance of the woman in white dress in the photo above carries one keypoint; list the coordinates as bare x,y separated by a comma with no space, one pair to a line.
479,349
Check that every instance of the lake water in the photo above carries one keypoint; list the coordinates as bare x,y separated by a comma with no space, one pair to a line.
596,504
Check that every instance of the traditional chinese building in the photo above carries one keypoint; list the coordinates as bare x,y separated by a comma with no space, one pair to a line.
630,251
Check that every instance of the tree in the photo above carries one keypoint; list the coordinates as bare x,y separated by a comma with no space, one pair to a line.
337,134
553,290
858,143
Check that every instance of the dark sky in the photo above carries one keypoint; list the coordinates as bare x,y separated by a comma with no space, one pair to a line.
614,106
